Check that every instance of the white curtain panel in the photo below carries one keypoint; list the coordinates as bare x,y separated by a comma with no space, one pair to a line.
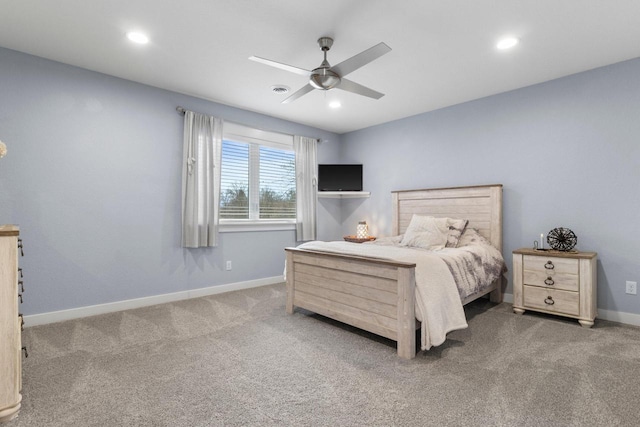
201,179
306,187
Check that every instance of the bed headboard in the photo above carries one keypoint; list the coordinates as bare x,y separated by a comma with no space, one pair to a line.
481,205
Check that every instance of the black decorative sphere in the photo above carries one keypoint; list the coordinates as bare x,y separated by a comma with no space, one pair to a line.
562,239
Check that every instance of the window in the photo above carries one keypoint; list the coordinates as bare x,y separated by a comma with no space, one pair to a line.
257,176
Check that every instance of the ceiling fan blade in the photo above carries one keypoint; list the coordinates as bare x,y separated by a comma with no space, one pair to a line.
290,68
354,87
363,58
302,91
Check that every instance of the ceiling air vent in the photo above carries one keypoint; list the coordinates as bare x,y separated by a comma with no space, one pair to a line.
280,89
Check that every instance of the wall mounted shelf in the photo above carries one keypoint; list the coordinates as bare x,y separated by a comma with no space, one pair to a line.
343,194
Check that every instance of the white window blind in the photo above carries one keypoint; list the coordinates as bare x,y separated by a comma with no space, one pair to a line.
258,181
234,181
277,184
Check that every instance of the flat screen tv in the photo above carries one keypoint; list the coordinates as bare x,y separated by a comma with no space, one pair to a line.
339,177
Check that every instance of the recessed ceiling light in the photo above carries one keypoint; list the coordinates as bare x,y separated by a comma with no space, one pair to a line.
507,43
335,104
137,37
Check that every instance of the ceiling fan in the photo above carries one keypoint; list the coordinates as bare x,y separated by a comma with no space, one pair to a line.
326,77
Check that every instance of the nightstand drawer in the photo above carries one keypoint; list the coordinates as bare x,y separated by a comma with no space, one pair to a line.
552,300
563,281
551,265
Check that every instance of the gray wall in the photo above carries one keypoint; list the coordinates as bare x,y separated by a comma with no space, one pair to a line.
93,177
566,151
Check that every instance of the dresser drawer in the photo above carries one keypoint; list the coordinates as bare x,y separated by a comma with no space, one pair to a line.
552,300
544,279
550,264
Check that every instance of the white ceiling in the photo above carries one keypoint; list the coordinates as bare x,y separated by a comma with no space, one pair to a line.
443,51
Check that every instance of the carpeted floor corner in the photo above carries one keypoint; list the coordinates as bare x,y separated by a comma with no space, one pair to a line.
238,359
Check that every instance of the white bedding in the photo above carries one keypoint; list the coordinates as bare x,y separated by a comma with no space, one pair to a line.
438,303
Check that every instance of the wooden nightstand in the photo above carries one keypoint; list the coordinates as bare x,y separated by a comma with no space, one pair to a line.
562,283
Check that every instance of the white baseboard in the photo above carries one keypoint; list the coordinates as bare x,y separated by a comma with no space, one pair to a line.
613,316
619,316
92,310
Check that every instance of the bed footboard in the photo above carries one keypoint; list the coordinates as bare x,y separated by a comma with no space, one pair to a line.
371,294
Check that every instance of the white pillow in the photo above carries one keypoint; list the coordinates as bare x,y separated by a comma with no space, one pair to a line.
451,228
426,232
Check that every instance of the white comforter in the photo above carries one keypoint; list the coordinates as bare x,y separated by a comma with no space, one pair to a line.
438,304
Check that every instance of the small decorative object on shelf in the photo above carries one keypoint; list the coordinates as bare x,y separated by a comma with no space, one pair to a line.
356,239
362,232
562,239
3,149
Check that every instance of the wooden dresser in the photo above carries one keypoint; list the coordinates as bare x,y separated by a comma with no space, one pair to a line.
10,323
562,283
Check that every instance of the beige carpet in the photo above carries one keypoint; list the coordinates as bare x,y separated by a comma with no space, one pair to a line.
239,359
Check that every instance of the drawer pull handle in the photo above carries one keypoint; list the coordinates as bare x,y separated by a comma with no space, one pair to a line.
549,281
20,272
21,284
549,301
21,321
26,354
20,298
20,247
549,265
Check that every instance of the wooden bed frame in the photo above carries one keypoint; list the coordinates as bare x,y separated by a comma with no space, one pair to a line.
379,295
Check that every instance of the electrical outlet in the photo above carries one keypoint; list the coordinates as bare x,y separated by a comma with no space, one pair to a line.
632,288
228,265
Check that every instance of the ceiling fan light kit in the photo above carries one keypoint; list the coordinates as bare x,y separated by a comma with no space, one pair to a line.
326,77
